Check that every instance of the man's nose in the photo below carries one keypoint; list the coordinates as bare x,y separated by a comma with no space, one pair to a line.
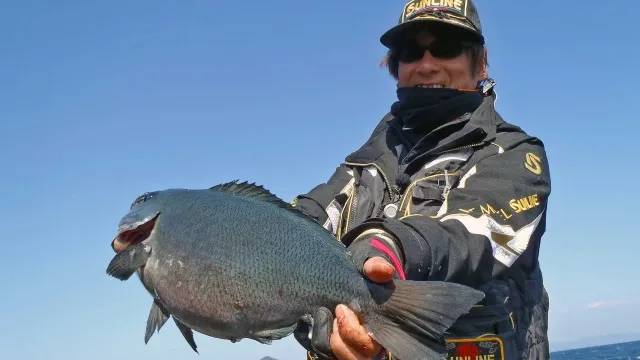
427,63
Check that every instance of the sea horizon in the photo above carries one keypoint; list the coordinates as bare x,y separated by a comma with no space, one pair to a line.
626,350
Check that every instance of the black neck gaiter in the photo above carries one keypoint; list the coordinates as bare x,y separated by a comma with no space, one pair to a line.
425,109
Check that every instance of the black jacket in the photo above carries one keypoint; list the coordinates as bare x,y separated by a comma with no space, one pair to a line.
467,204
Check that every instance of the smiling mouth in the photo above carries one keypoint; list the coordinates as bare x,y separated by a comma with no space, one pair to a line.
431,86
133,237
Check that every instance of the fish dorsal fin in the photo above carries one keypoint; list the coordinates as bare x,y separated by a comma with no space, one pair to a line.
259,192
250,190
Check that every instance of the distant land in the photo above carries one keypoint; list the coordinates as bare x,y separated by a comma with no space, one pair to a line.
595,341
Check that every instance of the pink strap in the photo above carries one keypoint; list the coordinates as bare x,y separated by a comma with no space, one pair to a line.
396,263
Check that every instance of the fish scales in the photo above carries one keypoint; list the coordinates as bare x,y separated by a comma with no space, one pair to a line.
235,262
280,256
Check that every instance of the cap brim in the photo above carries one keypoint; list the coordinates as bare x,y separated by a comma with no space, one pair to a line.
392,35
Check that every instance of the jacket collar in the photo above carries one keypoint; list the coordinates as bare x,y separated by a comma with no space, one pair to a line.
386,144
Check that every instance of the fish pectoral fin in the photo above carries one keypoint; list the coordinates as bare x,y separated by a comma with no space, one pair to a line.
267,336
158,316
187,333
126,262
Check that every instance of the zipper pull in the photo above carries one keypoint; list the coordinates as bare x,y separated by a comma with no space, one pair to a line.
447,185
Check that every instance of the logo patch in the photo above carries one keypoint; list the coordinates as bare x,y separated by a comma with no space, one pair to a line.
533,163
489,348
418,7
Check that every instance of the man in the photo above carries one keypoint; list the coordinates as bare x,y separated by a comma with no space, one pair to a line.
444,190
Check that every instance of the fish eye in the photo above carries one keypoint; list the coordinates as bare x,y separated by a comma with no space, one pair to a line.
142,198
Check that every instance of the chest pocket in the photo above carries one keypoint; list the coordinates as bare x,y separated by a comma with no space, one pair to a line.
427,193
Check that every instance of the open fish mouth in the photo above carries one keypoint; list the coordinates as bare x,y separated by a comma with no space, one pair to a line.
134,235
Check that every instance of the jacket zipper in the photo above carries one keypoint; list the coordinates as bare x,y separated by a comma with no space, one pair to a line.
458,148
352,211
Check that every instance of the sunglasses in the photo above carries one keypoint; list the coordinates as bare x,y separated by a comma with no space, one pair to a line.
441,49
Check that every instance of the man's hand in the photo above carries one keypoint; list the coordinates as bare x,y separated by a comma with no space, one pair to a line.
349,339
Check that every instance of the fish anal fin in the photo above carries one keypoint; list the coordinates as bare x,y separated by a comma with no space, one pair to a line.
158,316
267,336
187,333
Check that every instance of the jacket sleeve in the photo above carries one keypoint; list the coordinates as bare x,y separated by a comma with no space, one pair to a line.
494,218
318,202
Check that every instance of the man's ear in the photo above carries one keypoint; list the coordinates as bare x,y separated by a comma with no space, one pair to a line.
481,69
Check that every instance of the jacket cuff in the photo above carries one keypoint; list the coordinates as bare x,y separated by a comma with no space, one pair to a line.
391,256
414,251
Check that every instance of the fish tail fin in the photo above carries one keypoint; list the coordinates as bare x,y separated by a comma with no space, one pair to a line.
411,316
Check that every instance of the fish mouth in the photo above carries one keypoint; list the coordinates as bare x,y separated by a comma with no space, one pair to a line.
134,235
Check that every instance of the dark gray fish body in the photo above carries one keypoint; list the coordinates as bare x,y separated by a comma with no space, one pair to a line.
235,262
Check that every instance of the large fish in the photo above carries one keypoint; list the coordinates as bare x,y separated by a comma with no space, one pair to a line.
235,261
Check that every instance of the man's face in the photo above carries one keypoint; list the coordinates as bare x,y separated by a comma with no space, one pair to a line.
429,70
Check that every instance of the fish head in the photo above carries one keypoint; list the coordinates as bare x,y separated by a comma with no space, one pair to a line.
144,213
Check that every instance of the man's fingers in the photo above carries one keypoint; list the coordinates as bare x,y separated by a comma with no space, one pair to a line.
379,270
341,350
353,334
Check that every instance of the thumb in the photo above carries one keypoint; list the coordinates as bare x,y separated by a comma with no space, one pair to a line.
379,270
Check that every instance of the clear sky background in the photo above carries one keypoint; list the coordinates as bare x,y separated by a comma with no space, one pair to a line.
101,101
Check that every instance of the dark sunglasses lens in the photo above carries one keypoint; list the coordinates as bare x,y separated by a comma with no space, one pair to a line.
446,49
410,52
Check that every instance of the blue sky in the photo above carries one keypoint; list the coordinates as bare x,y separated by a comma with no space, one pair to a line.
101,101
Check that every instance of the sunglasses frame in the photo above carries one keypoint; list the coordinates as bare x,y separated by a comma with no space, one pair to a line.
449,49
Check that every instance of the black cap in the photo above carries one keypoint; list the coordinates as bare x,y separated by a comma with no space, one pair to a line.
460,13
